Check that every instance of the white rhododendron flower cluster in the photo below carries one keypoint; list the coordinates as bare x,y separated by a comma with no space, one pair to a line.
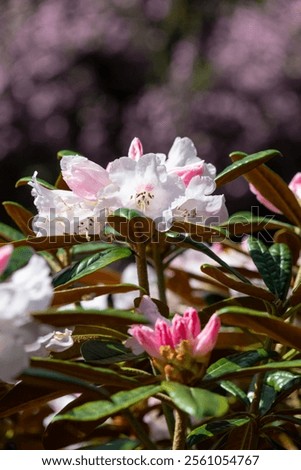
27,290
166,189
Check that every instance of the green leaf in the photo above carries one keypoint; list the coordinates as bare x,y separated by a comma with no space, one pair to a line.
90,264
214,428
273,188
282,380
235,362
249,289
67,153
19,258
132,225
106,352
277,386
269,366
88,248
21,216
116,444
245,222
261,322
9,233
50,243
234,390
274,265
196,402
188,242
57,380
24,396
67,296
246,164
119,402
199,233
128,213
26,179
111,318
70,369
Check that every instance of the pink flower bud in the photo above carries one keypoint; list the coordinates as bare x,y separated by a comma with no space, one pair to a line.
136,149
5,254
206,340
181,339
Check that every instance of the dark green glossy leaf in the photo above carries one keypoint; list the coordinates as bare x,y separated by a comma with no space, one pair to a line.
274,265
128,213
214,428
88,248
90,264
26,179
119,402
9,233
196,402
269,366
280,382
267,396
235,390
247,163
106,352
19,258
235,362
188,242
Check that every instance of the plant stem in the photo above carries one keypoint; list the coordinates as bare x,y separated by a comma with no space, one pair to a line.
179,438
140,431
140,249
259,382
257,393
159,271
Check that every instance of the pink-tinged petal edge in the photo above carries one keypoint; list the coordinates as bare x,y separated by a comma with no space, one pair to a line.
149,309
163,334
5,254
263,200
192,320
295,185
186,173
179,329
84,177
136,149
147,338
206,340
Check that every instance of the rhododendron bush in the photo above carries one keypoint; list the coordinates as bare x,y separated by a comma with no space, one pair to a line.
137,313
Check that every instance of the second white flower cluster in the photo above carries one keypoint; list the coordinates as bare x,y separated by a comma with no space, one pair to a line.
165,188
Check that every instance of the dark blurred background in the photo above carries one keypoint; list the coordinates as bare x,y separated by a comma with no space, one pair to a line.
89,75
